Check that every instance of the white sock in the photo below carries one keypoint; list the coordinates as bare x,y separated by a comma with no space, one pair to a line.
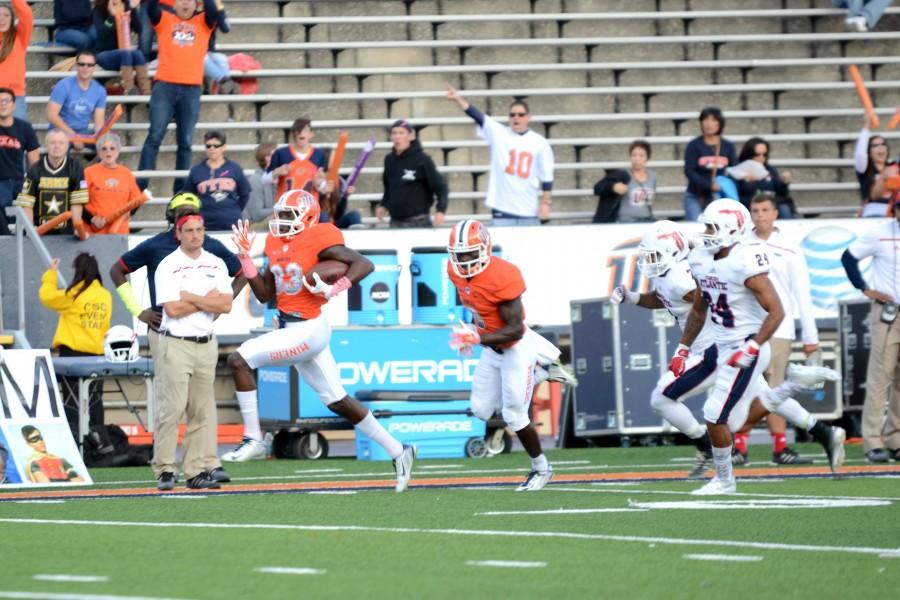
378,434
681,417
250,414
722,458
540,375
540,464
795,414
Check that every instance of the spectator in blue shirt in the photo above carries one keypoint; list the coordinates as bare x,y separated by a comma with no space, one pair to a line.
72,19
706,156
220,183
78,104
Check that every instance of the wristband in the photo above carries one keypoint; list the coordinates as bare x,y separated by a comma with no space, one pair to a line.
632,297
250,270
340,285
126,293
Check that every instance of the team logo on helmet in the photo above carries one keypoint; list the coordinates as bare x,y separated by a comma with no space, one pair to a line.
295,211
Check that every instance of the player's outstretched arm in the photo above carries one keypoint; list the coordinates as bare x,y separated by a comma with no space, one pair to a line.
765,294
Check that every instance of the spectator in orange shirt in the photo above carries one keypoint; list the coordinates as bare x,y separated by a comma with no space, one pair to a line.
183,38
110,187
14,40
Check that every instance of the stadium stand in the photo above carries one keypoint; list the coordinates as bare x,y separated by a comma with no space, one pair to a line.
597,75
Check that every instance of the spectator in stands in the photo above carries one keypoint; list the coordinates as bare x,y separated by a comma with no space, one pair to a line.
193,288
179,78
262,195
18,144
220,183
301,166
521,165
862,15
757,149
147,36
706,156
871,162
16,24
53,185
77,104
112,190
43,467
882,380
411,182
85,312
74,24
215,65
626,196
130,63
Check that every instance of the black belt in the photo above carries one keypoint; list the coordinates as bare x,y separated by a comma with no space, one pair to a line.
496,349
289,317
199,339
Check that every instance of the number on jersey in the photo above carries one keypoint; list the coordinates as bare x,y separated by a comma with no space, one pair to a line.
721,310
520,164
288,280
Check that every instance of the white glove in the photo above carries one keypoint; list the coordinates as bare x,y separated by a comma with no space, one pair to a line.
745,355
463,338
622,295
324,289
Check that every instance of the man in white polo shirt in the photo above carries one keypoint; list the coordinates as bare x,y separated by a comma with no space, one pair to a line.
789,275
882,243
193,287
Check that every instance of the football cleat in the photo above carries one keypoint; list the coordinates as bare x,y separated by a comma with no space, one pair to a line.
810,376
702,464
789,456
834,448
202,482
248,449
561,374
536,480
738,458
716,487
403,466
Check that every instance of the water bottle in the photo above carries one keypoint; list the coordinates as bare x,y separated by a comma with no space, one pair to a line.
269,440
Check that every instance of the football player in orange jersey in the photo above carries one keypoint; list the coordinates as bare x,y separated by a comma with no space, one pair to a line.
509,368
296,242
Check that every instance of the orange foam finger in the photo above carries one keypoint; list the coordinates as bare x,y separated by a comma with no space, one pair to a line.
864,96
895,120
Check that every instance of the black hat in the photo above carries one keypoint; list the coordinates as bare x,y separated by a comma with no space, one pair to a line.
402,123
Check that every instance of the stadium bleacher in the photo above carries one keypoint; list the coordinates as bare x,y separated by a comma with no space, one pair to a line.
597,75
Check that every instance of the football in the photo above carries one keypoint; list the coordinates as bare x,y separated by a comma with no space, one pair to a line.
329,271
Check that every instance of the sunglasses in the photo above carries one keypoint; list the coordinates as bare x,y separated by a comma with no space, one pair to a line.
86,65
35,439
214,145
518,114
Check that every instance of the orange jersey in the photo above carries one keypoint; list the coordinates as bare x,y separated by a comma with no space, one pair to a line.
182,48
500,282
108,191
301,175
290,259
12,68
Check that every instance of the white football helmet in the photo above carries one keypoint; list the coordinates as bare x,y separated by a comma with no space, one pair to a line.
662,246
469,248
730,221
120,344
295,211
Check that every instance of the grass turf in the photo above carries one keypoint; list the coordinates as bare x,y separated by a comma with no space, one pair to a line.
420,544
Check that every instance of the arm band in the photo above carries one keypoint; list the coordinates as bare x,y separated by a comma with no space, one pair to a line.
249,269
127,295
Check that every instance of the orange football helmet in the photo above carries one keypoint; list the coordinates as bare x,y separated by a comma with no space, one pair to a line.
295,211
469,248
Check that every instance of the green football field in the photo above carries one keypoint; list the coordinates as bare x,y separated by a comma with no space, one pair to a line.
616,523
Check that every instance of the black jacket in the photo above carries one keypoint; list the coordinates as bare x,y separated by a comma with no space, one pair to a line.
72,14
411,182
608,201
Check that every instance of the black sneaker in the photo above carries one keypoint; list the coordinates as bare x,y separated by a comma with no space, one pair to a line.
165,481
738,458
202,482
895,454
220,475
789,456
878,455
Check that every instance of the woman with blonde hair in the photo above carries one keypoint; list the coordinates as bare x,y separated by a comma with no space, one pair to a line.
16,24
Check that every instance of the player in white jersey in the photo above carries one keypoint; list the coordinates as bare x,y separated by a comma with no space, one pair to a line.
735,287
521,165
663,259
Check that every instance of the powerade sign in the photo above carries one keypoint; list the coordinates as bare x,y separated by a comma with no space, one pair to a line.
393,358
461,426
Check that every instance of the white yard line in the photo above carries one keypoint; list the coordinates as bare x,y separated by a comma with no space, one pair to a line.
39,501
183,496
72,578
560,511
516,564
563,535
290,570
604,490
433,467
309,471
723,557
71,596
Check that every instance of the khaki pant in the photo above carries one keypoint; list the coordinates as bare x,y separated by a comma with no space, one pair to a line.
211,451
883,373
186,387
781,353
